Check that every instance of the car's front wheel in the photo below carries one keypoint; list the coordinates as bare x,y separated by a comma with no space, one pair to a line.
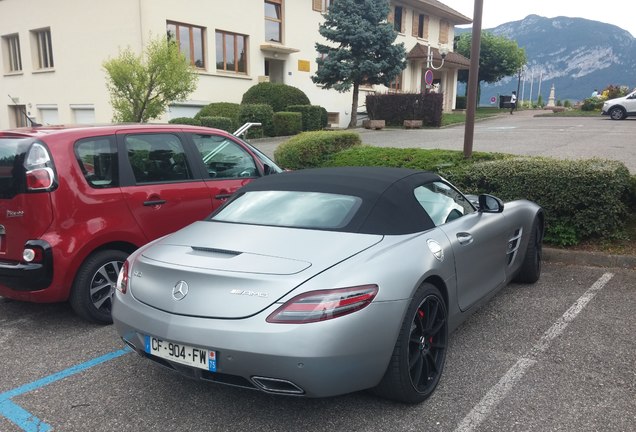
617,113
94,285
420,351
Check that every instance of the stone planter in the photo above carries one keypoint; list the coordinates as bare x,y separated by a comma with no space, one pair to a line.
412,124
374,124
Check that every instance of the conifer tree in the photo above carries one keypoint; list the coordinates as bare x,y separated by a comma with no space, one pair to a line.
362,48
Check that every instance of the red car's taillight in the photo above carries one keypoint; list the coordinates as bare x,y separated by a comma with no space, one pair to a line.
39,168
122,278
39,179
323,305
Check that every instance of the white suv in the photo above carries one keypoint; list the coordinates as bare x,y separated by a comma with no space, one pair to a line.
621,107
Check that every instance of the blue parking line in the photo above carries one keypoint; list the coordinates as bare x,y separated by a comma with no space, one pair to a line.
25,420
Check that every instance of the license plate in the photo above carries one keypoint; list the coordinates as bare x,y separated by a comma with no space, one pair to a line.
200,358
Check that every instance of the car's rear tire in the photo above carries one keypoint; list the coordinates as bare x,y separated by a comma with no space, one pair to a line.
617,113
91,295
420,351
530,270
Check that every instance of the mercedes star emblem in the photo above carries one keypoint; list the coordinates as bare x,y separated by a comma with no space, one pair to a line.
180,290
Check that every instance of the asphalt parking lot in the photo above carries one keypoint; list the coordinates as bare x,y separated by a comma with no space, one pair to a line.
522,133
559,355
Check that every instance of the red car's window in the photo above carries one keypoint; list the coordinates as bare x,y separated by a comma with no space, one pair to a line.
157,158
224,158
97,158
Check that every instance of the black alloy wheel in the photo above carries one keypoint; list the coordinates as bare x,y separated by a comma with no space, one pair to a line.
427,344
418,358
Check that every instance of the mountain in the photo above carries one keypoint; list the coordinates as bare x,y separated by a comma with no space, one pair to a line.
576,55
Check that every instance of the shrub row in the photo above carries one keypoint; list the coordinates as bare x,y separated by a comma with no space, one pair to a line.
583,199
313,149
287,123
224,123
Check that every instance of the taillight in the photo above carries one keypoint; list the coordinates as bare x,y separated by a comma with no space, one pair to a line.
323,305
39,168
122,278
39,179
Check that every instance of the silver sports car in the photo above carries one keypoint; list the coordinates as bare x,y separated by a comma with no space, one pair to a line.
326,281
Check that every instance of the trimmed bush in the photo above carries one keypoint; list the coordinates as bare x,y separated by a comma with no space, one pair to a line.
224,123
257,113
185,121
278,96
324,117
287,123
221,109
311,115
582,199
313,149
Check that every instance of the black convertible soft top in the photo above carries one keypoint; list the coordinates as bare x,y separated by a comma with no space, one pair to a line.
388,205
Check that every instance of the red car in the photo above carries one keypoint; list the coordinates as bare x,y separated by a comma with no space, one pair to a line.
76,201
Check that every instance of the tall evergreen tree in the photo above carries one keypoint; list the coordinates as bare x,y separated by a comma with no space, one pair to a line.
363,50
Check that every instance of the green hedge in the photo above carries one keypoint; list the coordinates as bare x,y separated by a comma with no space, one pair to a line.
278,96
224,123
221,109
394,108
583,199
311,116
430,160
313,149
257,113
185,121
287,123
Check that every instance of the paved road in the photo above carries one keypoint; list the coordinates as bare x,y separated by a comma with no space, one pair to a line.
521,133
559,355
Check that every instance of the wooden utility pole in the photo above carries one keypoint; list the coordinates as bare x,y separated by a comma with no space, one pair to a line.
473,80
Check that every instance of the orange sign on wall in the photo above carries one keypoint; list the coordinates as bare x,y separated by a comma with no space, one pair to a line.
303,65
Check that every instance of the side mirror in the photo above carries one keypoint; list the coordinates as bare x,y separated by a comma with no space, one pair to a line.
490,204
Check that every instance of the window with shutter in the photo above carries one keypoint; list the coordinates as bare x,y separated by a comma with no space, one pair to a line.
443,31
398,19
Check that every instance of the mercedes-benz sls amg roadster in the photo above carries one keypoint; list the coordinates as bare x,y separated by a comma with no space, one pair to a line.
326,281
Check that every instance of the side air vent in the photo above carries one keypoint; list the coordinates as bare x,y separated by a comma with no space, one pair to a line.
513,246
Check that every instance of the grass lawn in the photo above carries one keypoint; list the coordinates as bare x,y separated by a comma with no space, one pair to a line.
460,117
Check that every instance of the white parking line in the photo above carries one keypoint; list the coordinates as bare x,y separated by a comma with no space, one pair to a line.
498,392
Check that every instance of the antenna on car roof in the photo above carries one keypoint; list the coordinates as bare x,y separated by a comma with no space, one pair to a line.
33,124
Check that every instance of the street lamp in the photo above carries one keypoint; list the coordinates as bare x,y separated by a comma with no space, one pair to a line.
429,58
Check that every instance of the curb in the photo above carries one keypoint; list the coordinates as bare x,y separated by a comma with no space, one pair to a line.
592,259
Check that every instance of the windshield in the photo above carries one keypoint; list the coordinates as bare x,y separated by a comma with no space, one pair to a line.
264,158
290,209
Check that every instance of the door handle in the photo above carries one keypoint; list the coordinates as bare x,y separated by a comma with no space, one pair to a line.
464,238
153,203
223,196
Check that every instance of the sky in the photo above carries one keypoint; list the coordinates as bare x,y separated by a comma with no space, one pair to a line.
496,12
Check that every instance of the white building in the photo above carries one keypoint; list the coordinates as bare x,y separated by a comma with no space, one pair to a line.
53,51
